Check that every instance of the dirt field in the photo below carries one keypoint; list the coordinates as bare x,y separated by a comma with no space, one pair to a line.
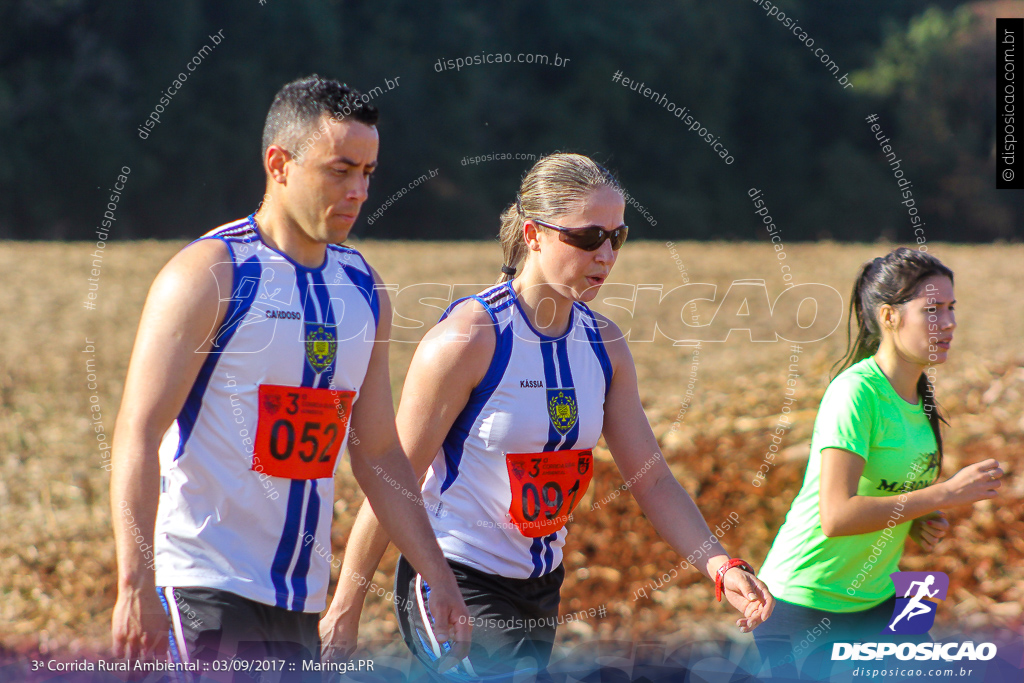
57,575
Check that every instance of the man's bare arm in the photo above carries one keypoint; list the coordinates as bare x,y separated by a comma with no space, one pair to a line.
173,339
400,508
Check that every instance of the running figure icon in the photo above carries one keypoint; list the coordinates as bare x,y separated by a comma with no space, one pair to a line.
914,607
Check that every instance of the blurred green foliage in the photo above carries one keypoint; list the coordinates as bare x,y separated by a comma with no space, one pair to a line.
77,78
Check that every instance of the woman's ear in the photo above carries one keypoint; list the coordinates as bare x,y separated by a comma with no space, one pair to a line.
888,317
530,236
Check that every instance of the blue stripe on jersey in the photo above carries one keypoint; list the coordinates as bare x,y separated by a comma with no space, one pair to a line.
302,564
366,285
562,346
455,441
549,554
245,284
550,376
597,344
327,314
309,317
538,567
289,537
547,352
565,372
294,516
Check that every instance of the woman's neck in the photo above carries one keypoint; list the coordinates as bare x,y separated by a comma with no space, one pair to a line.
902,374
545,306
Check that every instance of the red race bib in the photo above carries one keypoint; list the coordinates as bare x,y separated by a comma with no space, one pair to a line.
546,487
300,431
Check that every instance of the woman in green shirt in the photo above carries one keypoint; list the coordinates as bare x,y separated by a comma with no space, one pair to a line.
875,456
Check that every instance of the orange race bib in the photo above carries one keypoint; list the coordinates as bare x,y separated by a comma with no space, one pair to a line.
546,487
300,431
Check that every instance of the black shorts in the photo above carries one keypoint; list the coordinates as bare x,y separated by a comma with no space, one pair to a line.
209,625
513,621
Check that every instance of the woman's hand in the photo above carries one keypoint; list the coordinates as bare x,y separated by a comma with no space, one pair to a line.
929,530
749,595
979,481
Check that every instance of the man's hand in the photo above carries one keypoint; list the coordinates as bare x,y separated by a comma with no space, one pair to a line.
451,620
927,531
339,635
749,595
182,307
139,625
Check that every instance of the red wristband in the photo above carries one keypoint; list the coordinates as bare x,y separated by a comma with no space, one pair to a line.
720,576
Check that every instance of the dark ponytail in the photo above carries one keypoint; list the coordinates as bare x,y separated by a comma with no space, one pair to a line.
892,279
931,409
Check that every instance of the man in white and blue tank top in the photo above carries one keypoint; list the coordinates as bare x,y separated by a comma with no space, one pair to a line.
262,347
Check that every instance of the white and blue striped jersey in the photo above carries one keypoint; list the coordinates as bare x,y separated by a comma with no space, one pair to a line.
221,524
540,394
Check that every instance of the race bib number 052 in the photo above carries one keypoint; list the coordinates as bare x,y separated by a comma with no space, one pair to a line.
546,487
300,431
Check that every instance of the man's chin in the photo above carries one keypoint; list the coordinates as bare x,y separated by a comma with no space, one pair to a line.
338,231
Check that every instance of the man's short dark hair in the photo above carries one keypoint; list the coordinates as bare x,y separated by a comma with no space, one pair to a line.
299,106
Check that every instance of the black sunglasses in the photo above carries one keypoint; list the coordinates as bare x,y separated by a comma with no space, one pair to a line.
590,238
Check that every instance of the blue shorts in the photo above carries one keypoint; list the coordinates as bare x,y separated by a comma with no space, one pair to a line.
796,635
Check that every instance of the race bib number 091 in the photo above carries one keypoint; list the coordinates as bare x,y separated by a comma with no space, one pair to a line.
546,487
300,431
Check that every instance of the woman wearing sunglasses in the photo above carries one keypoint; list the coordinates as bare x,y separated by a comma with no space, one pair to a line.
503,402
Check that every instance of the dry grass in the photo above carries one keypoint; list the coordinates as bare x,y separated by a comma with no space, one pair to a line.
57,576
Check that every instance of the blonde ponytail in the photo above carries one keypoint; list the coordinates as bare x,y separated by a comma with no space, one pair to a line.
558,184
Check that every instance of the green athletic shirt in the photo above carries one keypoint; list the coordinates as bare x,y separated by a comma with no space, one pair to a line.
863,414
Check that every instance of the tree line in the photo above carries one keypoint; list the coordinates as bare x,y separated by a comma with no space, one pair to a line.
91,88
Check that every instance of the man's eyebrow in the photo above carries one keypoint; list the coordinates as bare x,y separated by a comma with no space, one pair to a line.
351,162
